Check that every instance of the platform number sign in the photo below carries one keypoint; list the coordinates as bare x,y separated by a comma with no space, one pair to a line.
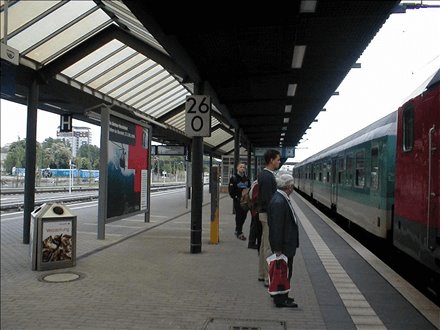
198,115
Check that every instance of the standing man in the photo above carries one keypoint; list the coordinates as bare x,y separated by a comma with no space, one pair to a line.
267,187
283,230
237,183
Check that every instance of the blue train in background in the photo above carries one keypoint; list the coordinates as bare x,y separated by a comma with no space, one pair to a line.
59,173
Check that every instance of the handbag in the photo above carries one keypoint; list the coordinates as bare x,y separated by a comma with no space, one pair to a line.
278,275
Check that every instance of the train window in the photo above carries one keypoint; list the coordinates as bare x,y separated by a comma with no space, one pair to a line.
408,128
374,168
349,167
360,172
340,169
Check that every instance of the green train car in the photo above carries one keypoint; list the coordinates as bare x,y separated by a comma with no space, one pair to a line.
355,177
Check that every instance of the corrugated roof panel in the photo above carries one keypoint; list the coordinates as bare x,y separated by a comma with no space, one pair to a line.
144,91
177,121
122,74
158,95
154,106
214,121
217,137
88,61
123,65
137,90
227,147
127,18
51,23
20,14
171,104
64,41
115,59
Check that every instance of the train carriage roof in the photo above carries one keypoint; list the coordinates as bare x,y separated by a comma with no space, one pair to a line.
385,126
429,83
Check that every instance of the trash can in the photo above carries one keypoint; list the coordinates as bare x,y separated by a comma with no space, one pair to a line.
52,237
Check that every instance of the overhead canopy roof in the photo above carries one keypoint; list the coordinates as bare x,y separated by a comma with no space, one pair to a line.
143,58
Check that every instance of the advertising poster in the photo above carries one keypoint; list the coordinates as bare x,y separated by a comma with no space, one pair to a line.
57,241
127,164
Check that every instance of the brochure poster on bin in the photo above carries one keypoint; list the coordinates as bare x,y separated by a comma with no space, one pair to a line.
57,241
127,168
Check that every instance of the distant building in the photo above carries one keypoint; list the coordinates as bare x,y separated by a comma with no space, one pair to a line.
78,137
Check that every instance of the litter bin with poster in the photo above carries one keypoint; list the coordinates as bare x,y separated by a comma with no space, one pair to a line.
52,237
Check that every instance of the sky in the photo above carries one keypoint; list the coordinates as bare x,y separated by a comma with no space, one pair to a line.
403,54
400,58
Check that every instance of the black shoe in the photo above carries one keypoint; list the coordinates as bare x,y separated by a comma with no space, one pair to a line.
253,246
287,303
290,299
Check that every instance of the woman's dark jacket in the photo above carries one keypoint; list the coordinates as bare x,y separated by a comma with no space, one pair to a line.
283,230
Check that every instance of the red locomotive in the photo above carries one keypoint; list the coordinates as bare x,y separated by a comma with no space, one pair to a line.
416,224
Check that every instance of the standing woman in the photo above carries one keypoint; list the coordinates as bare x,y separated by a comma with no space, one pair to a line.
283,230
237,183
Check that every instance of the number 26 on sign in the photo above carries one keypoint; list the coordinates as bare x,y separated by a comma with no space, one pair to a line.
198,115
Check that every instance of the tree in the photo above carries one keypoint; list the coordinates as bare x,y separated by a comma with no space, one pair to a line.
16,156
91,153
61,154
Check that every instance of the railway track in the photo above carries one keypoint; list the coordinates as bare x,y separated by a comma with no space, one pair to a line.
78,194
421,277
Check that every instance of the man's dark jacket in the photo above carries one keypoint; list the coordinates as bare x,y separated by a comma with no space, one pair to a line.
283,230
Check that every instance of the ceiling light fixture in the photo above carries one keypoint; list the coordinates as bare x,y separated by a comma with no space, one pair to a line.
291,89
286,120
288,109
298,56
308,6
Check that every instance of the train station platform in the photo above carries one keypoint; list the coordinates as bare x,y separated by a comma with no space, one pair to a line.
150,280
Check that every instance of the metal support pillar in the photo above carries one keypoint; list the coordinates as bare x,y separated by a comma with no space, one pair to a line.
236,148
103,173
197,187
210,171
31,158
236,155
197,194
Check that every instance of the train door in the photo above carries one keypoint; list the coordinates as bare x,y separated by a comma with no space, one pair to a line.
433,191
311,178
334,186
375,191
